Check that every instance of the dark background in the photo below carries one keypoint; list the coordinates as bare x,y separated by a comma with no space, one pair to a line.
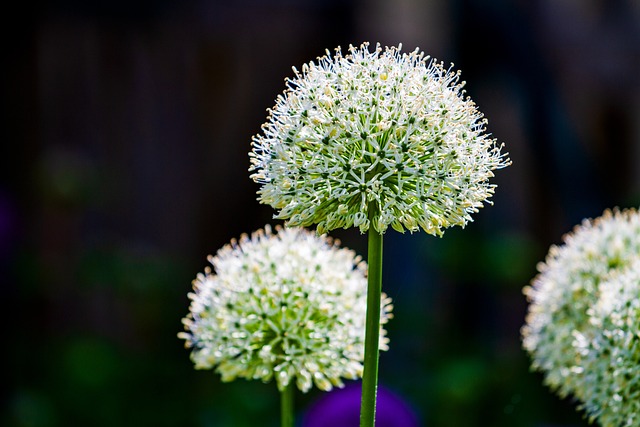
127,128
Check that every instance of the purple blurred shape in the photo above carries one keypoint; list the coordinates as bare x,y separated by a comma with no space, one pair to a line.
341,408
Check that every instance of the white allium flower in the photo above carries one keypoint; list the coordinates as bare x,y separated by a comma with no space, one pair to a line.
375,139
583,325
612,370
289,305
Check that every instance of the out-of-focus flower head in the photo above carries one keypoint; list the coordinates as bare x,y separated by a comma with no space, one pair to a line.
375,138
583,325
612,357
288,305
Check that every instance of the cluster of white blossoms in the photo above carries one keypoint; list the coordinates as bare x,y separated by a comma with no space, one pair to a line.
375,138
583,325
614,364
288,305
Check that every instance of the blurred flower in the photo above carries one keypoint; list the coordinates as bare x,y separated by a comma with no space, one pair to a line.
612,357
583,325
289,305
375,138
341,408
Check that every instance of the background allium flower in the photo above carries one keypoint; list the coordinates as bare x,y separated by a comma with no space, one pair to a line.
289,305
583,325
375,138
612,362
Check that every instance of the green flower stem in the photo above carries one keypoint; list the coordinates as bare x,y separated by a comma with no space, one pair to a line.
372,332
286,405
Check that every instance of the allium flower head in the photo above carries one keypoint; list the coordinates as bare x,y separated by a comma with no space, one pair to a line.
583,325
375,139
612,357
289,306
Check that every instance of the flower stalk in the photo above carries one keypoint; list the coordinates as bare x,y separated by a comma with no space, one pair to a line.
286,406
371,353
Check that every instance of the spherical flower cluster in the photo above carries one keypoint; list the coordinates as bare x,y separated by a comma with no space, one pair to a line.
289,306
583,325
613,355
380,139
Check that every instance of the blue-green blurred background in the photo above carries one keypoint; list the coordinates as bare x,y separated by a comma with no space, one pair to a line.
127,128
